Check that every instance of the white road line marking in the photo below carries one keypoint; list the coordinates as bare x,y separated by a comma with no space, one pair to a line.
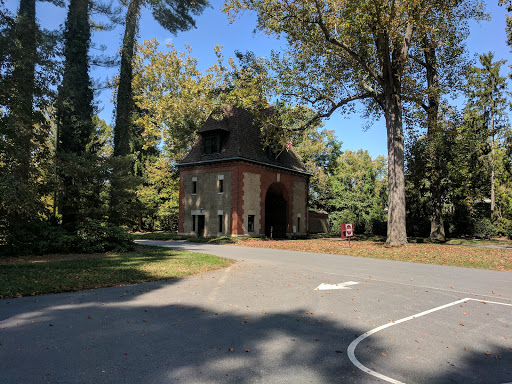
324,287
413,285
352,347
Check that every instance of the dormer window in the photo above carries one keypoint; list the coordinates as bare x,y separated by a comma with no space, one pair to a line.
211,144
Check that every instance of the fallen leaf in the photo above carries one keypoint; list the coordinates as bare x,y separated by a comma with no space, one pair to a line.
487,353
292,339
231,349
247,350
461,324
383,354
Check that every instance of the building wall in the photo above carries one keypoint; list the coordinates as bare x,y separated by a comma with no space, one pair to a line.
299,216
245,188
207,201
318,222
251,202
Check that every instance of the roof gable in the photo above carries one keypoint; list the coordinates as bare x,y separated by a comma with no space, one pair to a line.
240,138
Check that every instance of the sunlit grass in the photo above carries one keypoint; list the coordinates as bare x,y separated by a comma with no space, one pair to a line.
145,264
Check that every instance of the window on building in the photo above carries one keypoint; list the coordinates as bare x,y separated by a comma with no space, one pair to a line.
194,187
221,221
298,224
250,223
221,186
193,223
211,144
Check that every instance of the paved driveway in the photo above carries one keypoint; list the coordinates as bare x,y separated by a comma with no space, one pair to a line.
262,321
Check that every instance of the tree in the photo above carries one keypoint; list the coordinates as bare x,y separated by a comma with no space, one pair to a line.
340,52
441,61
486,95
75,126
319,151
27,74
359,192
174,16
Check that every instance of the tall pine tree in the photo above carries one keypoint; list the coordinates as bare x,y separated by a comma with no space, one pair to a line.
74,109
174,16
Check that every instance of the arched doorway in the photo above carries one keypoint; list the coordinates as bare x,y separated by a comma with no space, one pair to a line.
275,211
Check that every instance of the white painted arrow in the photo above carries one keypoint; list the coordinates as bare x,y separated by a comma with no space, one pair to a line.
323,287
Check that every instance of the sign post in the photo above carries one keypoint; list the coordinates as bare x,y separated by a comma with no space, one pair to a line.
347,231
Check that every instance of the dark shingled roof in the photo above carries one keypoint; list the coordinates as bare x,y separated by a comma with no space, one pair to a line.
241,139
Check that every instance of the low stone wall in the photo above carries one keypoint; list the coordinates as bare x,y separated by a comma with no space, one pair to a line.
318,222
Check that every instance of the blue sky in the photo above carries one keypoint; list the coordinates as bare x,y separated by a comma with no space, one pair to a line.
214,28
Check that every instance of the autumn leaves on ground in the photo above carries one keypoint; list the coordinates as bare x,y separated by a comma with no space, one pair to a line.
460,256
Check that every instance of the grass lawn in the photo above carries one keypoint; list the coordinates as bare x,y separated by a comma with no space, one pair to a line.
157,236
472,257
35,275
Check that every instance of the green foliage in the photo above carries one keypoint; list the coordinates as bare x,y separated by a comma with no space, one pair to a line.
159,195
484,229
35,237
124,207
27,76
75,126
43,237
95,236
359,192
319,152
502,226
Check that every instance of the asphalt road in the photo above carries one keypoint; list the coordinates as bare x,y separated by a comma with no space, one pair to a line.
263,321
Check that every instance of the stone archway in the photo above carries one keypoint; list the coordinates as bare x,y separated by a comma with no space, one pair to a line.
276,211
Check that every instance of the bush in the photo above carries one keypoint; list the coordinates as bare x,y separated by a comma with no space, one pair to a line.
502,226
41,237
36,237
484,229
95,236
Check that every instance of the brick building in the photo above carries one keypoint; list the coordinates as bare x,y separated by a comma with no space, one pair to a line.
230,185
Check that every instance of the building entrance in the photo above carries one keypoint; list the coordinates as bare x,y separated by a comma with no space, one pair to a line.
275,211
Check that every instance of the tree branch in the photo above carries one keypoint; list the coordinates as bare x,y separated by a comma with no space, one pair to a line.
335,106
345,47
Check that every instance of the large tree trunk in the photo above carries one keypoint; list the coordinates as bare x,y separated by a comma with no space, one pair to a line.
434,172
397,232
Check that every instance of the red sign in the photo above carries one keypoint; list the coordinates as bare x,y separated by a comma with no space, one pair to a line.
347,230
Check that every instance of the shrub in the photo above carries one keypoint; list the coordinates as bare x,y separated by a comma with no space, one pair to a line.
502,226
36,237
41,237
484,229
95,236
